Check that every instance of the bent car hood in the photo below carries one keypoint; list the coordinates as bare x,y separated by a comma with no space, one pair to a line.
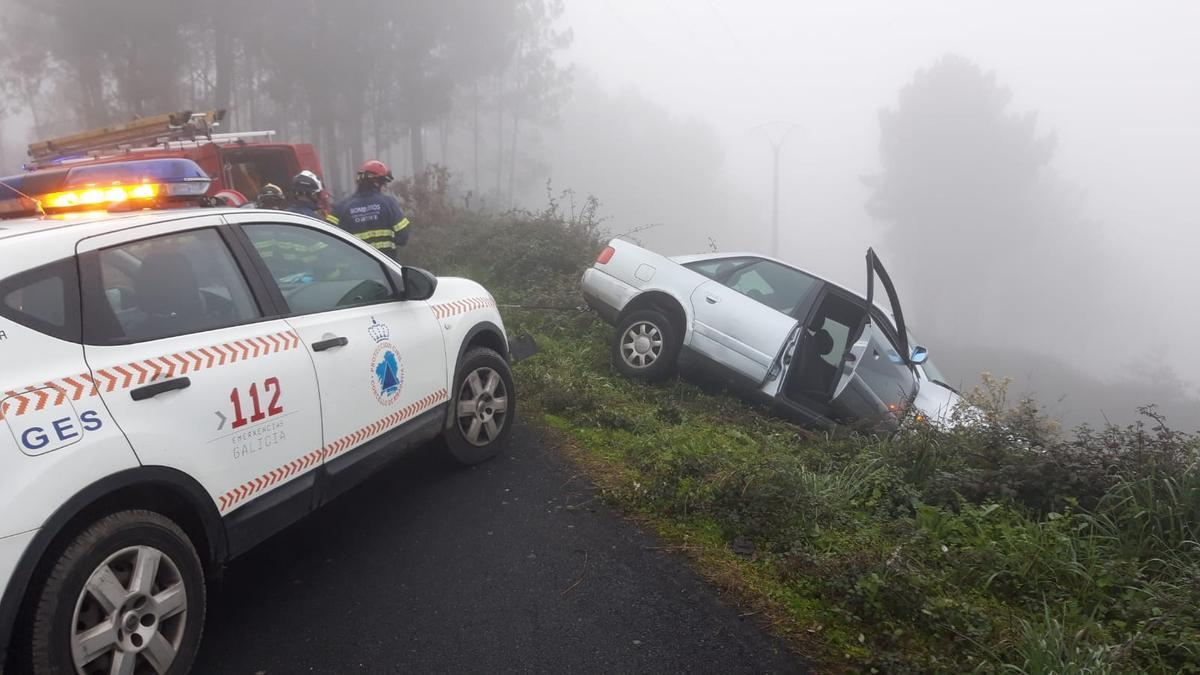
937,403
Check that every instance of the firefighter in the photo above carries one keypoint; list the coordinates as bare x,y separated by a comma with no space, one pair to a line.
270,197
306,195
369,214
288,260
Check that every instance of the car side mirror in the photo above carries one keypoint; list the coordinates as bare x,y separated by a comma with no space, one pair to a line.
418,283
919,355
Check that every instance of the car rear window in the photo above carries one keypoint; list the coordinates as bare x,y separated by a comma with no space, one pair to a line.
45,299
718,269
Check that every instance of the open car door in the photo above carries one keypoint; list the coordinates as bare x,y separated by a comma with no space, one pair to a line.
878,378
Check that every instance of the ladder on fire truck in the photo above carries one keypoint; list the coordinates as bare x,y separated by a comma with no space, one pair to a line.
161,131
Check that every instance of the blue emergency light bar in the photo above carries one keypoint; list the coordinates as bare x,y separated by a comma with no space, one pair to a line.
129,183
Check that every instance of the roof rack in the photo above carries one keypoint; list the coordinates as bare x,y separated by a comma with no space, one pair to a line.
146,131
240,138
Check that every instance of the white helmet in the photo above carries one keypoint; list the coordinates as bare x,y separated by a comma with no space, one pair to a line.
306,183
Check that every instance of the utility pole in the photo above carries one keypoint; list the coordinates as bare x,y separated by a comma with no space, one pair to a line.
776,147
777,134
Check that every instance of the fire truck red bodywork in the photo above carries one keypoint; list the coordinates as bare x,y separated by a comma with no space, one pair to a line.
244,167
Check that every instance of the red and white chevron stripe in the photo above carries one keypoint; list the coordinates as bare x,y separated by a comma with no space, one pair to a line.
445,310
298,466
107,380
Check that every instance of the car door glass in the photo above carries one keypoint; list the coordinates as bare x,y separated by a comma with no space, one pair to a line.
175,284
774,285
840,332
318,272
885,326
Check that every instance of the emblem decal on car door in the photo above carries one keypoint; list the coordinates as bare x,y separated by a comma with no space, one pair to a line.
387,368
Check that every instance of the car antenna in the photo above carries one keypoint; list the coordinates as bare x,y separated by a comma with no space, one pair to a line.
37,202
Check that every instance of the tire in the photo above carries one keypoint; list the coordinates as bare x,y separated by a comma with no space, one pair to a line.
483,407
159,623
646,345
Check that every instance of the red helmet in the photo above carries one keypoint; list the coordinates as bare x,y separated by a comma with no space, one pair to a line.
373,168
231,197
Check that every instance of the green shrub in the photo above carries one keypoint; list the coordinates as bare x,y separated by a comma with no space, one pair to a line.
1156,516
1050,646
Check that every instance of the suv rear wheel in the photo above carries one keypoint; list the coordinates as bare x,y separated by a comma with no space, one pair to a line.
126,596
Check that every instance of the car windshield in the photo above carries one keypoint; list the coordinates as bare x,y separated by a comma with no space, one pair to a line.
932,372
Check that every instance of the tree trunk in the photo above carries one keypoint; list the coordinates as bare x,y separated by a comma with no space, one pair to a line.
475,137
444,140
31,88
252,100
405,154
89,81
417,144
352,124
331,154
512,157
499,135
314,137
376,121
223,59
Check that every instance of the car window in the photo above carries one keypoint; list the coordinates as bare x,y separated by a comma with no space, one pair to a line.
175,284
772,284
717,269
318,272
43,298
885,325
840,332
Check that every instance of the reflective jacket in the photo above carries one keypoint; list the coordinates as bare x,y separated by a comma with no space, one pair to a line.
293,256
374,217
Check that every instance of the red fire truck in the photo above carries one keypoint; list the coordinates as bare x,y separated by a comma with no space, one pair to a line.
102,167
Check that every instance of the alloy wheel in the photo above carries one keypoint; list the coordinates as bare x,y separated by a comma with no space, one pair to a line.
131,615
642,344
482,406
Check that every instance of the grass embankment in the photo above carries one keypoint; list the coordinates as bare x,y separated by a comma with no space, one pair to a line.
1011,548
930,552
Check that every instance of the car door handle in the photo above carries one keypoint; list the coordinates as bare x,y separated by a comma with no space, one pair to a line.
331,343
712,299
152,390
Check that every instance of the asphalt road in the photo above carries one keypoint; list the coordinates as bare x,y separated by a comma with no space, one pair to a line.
509,566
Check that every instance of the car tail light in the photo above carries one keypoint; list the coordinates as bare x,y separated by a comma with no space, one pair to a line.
605,255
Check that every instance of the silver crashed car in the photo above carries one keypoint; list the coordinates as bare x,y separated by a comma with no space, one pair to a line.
808,344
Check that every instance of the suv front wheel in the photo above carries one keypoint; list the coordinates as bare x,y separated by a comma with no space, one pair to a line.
126,596
485,401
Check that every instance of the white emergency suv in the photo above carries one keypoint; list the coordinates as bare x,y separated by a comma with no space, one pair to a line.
176,386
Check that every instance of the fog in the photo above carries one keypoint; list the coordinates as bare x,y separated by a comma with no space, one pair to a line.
1071,274
1117,84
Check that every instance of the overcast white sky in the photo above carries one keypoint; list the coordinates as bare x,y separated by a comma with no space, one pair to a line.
1119,83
